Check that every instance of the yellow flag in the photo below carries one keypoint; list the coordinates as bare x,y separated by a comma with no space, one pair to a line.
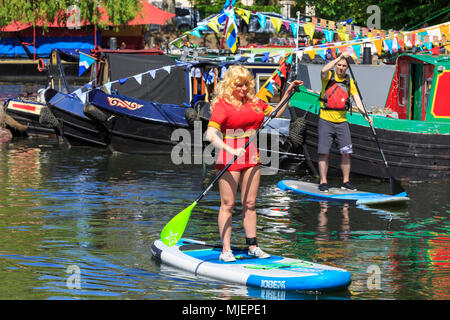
276,23
245,14
344,36
309,29
213,26
262,94
311,54
378,44
445,31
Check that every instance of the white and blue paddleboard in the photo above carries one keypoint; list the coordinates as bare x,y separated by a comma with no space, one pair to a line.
337,194
275,272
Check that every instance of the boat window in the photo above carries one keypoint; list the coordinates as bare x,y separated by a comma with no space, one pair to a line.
402,89
427,91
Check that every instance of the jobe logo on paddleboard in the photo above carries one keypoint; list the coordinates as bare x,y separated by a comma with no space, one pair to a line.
124,103
273,284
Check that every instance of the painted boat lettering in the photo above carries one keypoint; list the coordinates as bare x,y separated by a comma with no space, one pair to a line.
273,284
124,104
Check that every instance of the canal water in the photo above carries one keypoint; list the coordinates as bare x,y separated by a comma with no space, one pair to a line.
79,224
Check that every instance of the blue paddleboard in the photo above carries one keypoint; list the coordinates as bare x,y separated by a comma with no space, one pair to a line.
275,272
337,194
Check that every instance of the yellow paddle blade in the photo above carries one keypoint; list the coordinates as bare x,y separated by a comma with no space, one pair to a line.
174,229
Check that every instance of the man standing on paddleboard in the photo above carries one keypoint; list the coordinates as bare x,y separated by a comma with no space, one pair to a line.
337,88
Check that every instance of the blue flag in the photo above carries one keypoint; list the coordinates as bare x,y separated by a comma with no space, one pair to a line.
231,37
85,62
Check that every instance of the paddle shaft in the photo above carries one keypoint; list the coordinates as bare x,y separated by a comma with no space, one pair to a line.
263,125
374,133
365,111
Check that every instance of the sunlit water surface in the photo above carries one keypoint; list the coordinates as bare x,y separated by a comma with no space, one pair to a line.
84,211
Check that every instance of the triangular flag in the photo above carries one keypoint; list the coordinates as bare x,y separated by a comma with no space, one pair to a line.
395,45
300,55
311,54
357,50
167,68
277,79
388,44
289,59
138,78
294,28
244,14
196,33
214,24
422,35
230,14
152,73
202,27
108,87
82,97
276,23
321,53
261,20
343,35
123,80
328,35
270,87
378,44
265,56
84,63
401,42
309,29
178,43
444,30
283,70
262,94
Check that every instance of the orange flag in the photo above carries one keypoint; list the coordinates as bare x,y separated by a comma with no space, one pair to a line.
378,44
445,31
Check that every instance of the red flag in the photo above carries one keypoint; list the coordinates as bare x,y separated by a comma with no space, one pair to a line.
277,79
283,70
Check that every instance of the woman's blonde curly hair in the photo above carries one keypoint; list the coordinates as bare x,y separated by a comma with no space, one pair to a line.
233,76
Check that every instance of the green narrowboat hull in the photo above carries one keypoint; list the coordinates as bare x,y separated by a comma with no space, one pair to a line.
415,150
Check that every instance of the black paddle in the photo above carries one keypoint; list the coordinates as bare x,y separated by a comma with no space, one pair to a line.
396,188
174,229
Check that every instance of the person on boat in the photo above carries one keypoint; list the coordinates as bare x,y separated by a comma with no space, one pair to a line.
236,115
337,88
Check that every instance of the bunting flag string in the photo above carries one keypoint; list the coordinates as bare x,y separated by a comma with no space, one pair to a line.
82,92
347,33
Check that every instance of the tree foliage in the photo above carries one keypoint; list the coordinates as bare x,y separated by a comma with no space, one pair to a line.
31,11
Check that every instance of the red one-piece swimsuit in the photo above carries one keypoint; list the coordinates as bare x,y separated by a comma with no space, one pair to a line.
237,126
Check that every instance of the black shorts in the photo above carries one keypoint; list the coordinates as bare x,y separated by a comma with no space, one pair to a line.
330,131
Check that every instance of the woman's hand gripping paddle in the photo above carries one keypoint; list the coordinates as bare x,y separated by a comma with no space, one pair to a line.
174,229
396,188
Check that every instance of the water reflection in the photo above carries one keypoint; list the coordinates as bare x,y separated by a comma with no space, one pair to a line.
101,212
323,233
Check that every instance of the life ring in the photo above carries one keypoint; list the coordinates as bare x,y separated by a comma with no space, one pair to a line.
41,65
